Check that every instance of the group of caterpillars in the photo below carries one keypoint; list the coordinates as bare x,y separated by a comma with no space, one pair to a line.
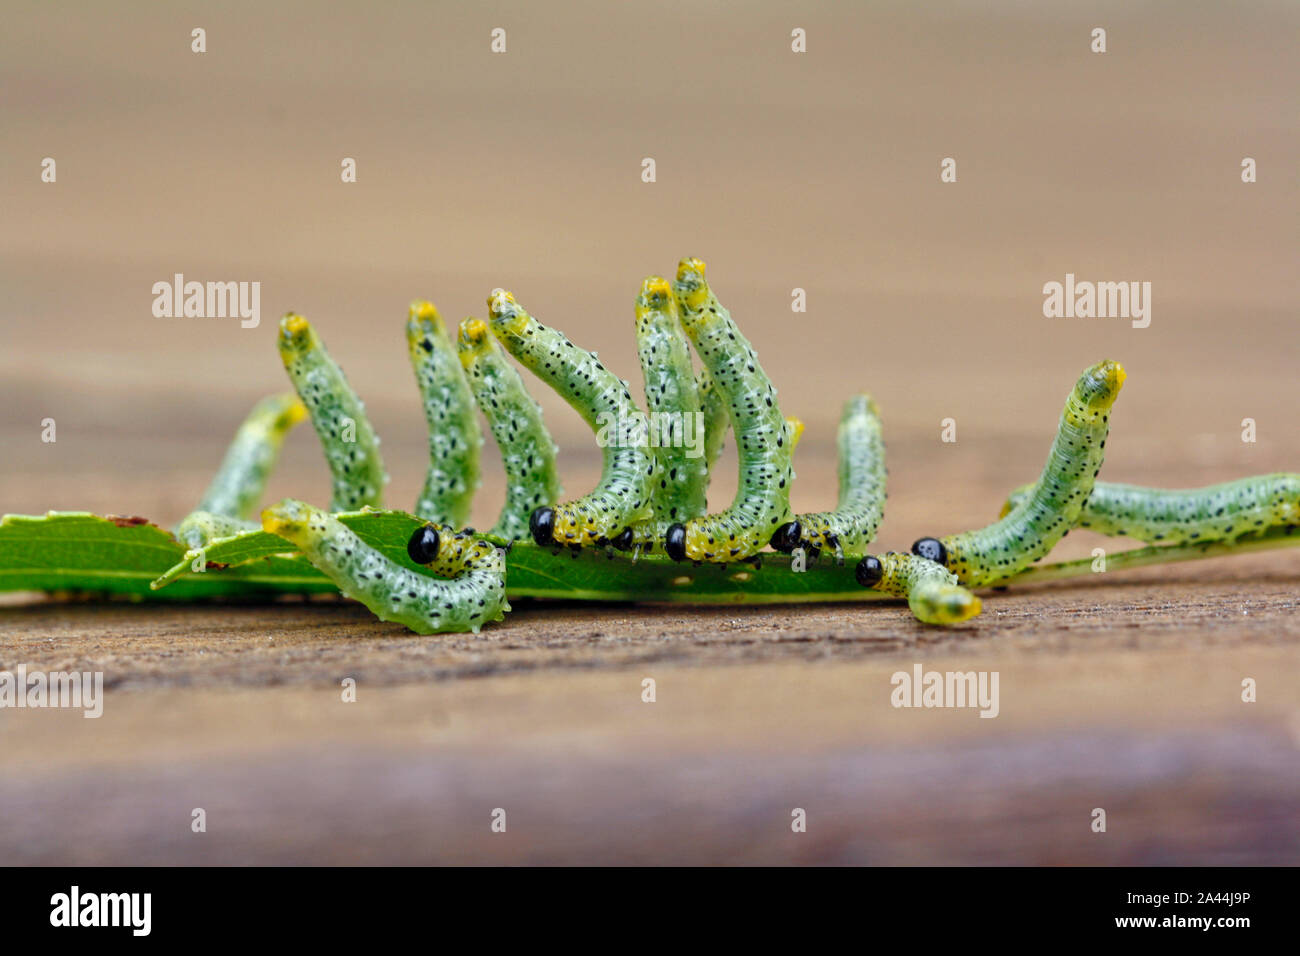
654,496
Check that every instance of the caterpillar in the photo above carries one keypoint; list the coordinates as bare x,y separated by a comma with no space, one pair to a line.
454,437
350,444
852,525
240,481
527,450
1215,513
474,595
622,496
932,591
1033,527
732,392
676,420
762,502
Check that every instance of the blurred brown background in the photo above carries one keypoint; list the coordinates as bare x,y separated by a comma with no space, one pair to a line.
818,171
782,170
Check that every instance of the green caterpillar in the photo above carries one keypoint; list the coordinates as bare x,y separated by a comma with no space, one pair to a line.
732,391
475,595
932,591
454,437
240,481
622,497
676,419
1033,527
852,525
762,502
527,450
1214,513
350,444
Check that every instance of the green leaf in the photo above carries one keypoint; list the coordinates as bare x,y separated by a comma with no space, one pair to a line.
84,552
77,551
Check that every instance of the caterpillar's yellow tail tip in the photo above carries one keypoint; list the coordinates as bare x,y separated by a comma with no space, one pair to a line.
500,300
506,313
1099,386
953,606
294,324
655,292
296,335
423,310
297,412
473,332
1007,507
690,268
286,519
273,522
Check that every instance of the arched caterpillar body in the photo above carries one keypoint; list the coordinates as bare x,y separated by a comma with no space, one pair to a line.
622,497
673,402
1215,513
852,525
932,591
527,449
474,595
454,437
350,444
1033,527
236,489
762,502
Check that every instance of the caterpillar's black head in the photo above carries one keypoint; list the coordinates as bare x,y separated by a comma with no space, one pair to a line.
541,524
869,571
675,542
931,548
423,546
787,537
622,540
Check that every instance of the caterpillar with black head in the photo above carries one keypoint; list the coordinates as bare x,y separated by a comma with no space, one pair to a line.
527,449
454,437
861,506
1034,526
676,421
1222,512
763,437
622,496
474,595
931,590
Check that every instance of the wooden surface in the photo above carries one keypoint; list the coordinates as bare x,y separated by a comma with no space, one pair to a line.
1121,691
